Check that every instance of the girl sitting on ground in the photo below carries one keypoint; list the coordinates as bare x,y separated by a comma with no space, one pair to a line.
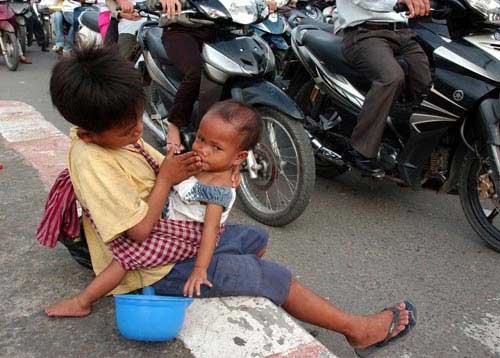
225,135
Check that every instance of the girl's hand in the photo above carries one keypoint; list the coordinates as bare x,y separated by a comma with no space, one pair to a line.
171,7
175,169
197,278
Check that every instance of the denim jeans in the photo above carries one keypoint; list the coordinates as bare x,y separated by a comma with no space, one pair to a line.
58,22
235,269
70,38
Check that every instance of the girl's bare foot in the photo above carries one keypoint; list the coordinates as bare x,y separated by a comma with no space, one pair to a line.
70,307
373,329
174,139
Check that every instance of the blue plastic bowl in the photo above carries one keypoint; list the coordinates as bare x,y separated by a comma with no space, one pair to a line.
148,317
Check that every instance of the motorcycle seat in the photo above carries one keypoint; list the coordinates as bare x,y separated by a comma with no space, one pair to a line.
90,19
327,47
154,44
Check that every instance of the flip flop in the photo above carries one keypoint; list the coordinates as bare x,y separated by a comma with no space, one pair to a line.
410,307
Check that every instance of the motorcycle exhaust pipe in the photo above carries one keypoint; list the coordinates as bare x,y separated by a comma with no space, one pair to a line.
324,152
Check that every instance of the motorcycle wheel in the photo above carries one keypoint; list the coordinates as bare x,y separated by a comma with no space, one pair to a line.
11,53
480,211
155,111
324,168
286,173
47,33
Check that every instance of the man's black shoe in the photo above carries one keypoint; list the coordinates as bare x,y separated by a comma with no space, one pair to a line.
366,166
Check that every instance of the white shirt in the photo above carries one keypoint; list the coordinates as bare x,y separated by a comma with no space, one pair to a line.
70,5
185,201
355,12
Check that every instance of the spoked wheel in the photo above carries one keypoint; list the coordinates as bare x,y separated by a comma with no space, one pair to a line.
324,167
11,53
285,168
479,198
155,114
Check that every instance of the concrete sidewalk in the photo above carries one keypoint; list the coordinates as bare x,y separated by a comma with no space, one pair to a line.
32,153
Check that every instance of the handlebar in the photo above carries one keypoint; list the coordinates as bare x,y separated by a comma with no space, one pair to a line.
400,7
155,11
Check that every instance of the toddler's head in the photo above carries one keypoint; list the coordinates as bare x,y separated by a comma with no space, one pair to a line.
226,133
101,93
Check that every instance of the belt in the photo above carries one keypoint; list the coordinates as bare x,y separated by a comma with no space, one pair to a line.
372,25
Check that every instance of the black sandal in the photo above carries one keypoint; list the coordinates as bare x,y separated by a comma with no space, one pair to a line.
410,307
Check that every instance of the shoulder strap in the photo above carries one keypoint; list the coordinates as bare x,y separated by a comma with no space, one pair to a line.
149,158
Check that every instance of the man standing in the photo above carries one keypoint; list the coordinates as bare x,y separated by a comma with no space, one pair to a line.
373,35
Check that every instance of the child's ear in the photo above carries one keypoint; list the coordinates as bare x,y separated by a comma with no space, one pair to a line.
85,135
240,157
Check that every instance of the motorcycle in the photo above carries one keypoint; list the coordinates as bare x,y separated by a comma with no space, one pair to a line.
43,13
451,141
278,177
9,45
273,30
22,9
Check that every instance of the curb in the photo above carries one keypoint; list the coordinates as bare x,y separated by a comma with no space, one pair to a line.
236,327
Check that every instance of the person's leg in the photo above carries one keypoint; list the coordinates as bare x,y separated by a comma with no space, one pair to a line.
81,304
419,70
248,275
126,45
111,38
360,331
243,240
70,38
58,22
38,32
183,50
373,56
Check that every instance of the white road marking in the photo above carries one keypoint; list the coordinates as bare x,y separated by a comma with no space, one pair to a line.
487,332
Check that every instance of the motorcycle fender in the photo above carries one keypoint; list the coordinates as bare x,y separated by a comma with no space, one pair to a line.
489,115
488,120
6,26
267,94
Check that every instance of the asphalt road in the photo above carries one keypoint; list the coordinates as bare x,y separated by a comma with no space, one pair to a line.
364,245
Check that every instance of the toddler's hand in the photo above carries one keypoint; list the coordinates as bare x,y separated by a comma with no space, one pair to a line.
177,168
197,278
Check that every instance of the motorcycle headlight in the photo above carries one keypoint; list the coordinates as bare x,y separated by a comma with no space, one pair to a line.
490,9
244,12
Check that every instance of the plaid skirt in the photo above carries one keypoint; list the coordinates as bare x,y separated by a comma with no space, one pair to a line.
170,241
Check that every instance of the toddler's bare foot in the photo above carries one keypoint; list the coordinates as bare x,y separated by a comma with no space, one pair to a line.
373,329
70,307
174,139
